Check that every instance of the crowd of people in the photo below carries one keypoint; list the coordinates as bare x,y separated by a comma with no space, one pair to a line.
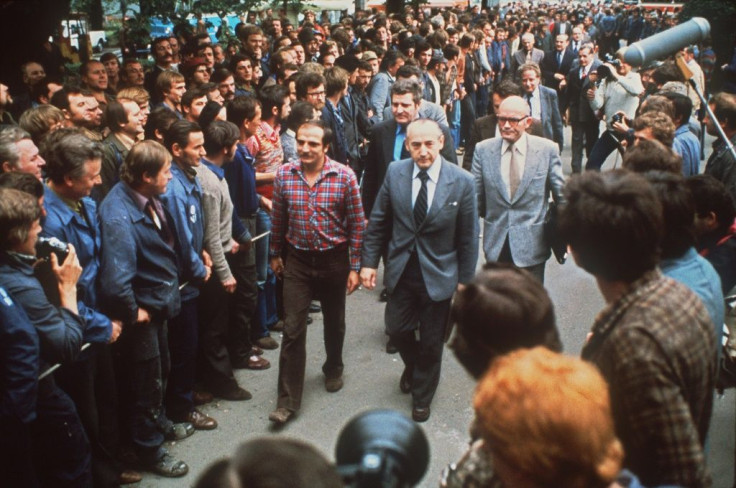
159,225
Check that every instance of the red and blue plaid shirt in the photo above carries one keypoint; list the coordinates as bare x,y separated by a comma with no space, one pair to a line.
319,218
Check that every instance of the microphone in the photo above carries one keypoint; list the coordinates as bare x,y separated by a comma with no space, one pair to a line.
667,42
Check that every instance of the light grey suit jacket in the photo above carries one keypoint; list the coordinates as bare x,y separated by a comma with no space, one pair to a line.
521,219
551,117
447,240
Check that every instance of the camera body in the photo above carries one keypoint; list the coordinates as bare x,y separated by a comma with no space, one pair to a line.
604,71
45,246
616,118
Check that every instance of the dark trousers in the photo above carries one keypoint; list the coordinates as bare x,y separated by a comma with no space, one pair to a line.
307,276
215,368
243,303
584,135
410,307
505,257
183,339
143,367
61,451
467,116
90,382
606,144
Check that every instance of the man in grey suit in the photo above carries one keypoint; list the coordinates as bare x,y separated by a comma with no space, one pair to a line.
542,101
426,215
527,54
514,176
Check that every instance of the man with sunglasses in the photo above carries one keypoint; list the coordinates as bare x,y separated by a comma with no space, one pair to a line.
514,176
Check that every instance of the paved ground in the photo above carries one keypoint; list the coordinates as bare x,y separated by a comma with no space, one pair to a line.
371,381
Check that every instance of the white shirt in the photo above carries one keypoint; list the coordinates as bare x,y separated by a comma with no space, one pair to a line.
416,183
519,157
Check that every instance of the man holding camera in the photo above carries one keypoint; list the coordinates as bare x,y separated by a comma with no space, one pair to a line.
615,95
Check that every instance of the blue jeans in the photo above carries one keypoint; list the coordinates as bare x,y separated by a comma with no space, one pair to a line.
454,120
263,224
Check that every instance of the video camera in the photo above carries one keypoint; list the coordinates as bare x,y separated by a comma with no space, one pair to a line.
603,71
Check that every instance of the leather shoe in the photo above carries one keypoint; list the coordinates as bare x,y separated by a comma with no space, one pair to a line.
236,394
201,421
314,308
267,342
333,384
258,362
420,414
383,298
178,431
391,347
128,477
405,382
278,326
202,397
169,467
280,416
256,351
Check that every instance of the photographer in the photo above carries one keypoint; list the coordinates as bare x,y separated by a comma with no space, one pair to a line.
60,448
616,93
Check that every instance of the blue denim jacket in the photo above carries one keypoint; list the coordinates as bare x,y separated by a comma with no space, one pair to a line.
137,267
84,234
183,200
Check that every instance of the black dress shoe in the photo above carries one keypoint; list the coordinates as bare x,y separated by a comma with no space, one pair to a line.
391,347
420,414
384,296
314,308
405,381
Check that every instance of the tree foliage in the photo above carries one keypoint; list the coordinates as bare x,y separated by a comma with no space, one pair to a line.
721,14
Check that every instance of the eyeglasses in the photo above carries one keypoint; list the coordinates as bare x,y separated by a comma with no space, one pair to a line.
316,94
511,120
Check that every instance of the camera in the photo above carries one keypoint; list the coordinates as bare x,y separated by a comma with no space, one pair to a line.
47,245
616,118
604,71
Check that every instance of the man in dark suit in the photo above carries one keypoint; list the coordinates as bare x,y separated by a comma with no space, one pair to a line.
557,64
585,125
426,215
542,102
387,139
163,61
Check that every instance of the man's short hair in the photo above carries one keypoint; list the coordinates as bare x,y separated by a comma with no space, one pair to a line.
301,112
711,195
136,93
60,99
24,182
652,155
725,108
507,88
391,57
66,151
326,130
402,87
658,103
529,67
220,75
336,80
166,79
145,158
41,89
305,81
247,31
242,108
235,59
663,129
10,135
678,212
271,97
502,309
220,135
115,114
682,105
160,119
18,212
260,463
409,71
613,223
38,121
178,133
450,51
191,95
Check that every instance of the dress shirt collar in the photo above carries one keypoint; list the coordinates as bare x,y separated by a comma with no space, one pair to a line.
520,145
433,171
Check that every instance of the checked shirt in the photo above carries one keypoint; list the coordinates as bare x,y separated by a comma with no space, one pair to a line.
319,218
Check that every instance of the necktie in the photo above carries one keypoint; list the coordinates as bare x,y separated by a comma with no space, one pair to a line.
529,101
529,57
154,215
582,73
420,204
559,59
514,176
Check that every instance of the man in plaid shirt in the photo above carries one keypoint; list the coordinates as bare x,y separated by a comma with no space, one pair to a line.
317,233
654,341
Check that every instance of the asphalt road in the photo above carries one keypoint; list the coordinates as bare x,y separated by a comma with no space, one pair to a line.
371,381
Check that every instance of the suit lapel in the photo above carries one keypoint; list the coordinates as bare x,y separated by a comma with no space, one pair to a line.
442,191
405,183
390,140
495,168
530,167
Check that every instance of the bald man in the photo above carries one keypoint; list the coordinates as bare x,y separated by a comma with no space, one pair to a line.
514,176
425,214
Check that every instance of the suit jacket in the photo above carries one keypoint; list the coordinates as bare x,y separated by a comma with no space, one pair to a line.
381,153
522,218
338,150
427,110
470,78
519,58
578,103
550,67
485,128
557,29
379,94
551,118
446,242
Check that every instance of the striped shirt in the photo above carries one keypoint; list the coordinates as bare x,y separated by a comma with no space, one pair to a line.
321,217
